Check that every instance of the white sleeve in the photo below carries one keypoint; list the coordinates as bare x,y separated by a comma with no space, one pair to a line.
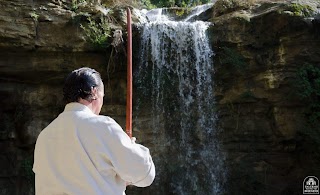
147,181
131,161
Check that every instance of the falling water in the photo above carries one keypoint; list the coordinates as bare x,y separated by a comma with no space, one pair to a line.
175,85
198,10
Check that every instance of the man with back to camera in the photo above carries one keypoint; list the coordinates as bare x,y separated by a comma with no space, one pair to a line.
84,153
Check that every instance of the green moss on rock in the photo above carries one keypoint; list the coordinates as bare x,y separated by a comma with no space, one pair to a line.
303,10
226,6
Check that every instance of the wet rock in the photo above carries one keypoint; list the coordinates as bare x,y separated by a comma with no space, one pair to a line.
260,113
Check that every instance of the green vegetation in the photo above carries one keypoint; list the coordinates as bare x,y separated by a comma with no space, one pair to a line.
178,3
150,4
303,10
97,33
96,30
308,89
180,12
76,3
147,4
34,16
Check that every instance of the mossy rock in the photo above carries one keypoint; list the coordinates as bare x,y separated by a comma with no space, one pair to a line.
222,7
302,10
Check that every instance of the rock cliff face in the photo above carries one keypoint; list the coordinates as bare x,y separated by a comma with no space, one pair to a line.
259,51
41,42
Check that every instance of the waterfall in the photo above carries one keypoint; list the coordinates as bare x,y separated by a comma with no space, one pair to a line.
198,10
174,83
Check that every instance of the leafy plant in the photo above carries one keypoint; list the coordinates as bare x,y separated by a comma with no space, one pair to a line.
147,4
309,81
97,32
301,9
179,3
34,16
309,90
76,3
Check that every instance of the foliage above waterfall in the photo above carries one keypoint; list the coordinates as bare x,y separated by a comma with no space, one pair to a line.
179,3
150,4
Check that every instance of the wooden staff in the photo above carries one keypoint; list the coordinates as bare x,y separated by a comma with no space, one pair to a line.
129,76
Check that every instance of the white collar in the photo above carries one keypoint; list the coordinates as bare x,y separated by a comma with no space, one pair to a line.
76,106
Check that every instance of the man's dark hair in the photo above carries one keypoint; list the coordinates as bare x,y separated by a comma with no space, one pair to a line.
80,83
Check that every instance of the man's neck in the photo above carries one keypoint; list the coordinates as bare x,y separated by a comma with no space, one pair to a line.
87,103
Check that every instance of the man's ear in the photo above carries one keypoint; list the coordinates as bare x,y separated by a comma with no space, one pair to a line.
94,92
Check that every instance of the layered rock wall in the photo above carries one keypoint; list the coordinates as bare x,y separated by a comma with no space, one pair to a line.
41,42
259,53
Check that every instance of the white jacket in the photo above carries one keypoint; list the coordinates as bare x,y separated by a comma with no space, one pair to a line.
81,153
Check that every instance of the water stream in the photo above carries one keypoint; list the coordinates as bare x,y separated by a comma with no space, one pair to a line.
174,80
